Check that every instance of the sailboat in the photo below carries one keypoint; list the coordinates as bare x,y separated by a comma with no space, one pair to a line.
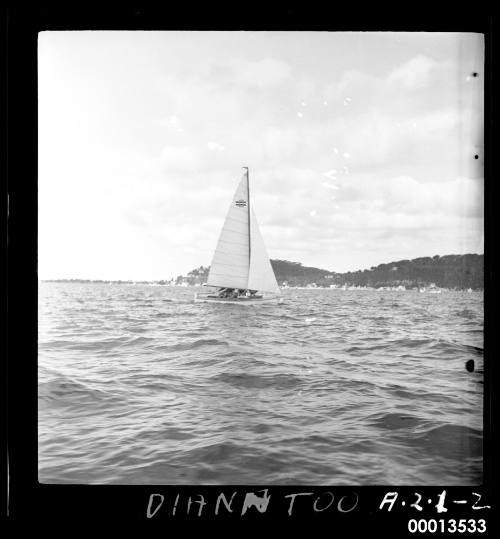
241,270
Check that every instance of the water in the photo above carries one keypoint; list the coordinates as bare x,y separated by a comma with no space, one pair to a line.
139,385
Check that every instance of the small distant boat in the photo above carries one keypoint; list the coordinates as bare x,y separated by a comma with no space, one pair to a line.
433,289
241,269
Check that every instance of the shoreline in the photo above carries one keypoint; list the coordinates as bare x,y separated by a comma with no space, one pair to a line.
427,289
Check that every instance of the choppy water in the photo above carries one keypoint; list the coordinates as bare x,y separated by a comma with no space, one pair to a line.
138,384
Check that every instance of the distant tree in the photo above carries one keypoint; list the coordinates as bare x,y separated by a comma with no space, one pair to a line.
450,271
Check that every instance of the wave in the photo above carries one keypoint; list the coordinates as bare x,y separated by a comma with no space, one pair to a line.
451,441
190,345
452,347
433,347
64,389
467,313
393,421
164,315
92,344
448,440
326,390
277,381
408,395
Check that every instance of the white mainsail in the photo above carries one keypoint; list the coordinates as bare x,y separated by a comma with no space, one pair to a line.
240,259
232,255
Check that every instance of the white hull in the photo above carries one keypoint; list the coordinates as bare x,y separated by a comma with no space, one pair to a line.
198,298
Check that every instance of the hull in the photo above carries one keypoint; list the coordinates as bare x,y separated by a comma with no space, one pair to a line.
208,298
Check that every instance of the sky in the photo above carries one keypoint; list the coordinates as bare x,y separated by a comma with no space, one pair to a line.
361,147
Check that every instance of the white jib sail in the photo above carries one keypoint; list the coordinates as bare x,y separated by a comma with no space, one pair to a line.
261,275
231,260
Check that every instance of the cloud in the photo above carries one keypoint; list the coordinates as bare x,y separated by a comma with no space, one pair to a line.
416,73
279,144
262,73
163,158
351,83
377,138
179,158
216,147
397,216
170,121
460,197
329,185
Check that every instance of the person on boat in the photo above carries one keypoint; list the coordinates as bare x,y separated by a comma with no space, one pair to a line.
235,293
225,292
253,292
